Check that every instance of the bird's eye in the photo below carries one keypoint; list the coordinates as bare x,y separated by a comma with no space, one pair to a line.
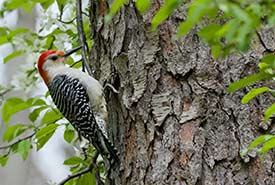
54,57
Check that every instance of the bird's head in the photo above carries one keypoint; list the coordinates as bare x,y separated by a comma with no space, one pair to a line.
51,59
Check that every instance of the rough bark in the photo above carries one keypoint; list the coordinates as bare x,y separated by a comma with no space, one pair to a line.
173,121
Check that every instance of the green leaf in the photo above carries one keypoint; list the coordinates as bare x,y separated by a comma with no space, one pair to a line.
46,4
216,50
69,134
228,30
45,134
61,4
116,5
51,116
247,81
259,140
244,152
269,112
24,148
87,179
143,5
4,30
13,55
184,28
37,101
256,9
49,42
39,1
3,40
243,39
12,106
3,160
254,92
36,112
164,12
17,31
47,94
73,161
197,10
268,145
239,13
208,32
268,61
15,4
13,131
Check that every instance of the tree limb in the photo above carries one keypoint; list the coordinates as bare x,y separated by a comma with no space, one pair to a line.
5,91
18,141
82,37
82,172
66,22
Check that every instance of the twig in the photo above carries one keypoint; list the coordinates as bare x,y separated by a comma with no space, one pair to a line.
61,14
76,63
18,141
84,13
67,22
5,92
78,174
30,72
82,36
8,153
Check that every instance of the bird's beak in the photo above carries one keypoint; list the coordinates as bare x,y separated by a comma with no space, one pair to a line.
71,51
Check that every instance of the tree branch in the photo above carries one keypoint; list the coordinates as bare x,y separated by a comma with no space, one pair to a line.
61,14
5,92
78,174
18,141
66,22
82,37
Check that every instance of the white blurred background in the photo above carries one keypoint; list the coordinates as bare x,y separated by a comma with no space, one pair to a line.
45,166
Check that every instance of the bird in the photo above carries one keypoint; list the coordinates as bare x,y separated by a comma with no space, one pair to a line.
79,97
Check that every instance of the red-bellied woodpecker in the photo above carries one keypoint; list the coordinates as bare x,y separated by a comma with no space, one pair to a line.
79,97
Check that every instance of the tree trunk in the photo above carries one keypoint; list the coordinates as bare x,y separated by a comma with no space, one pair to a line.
173,121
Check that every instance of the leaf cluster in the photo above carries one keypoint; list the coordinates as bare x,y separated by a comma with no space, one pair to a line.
46,119
40,133
266,72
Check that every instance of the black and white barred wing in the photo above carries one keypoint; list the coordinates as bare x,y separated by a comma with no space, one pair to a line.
71,98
